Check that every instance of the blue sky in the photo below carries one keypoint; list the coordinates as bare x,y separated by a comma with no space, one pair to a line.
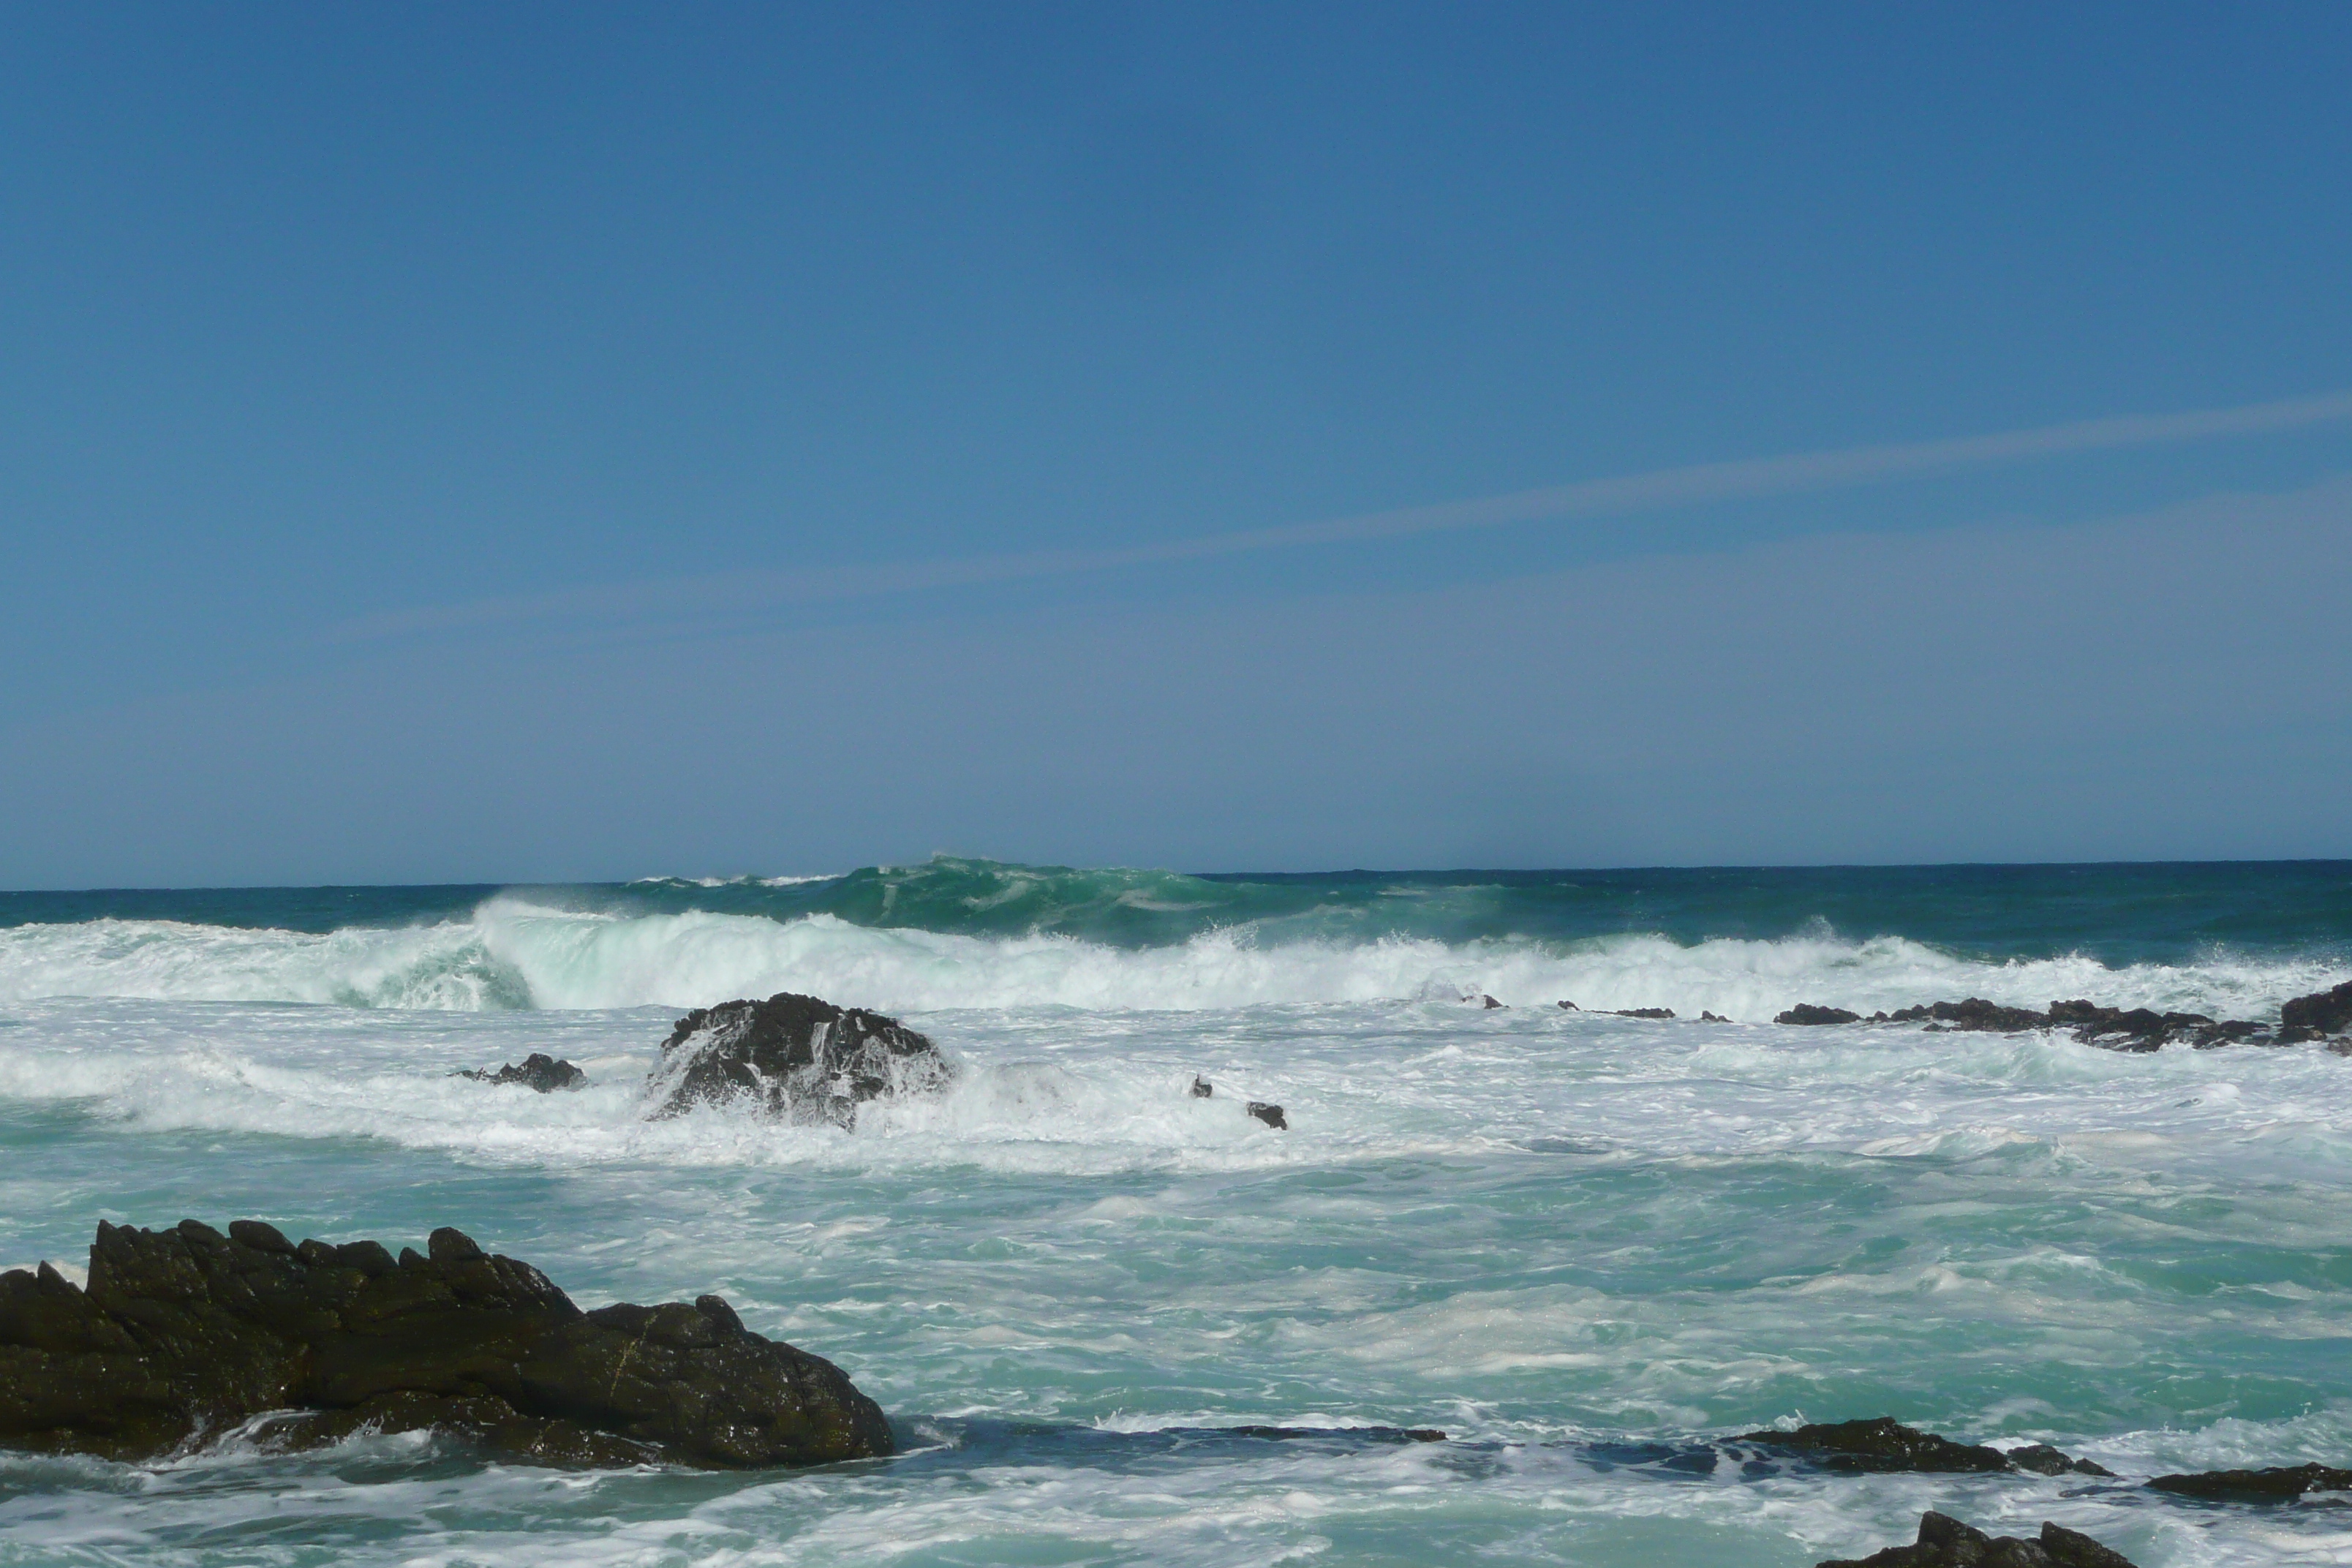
485,443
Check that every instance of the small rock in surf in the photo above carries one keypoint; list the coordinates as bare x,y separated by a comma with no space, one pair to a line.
798,1058
1812,1013
538,1071
1881,1445
1269,1114
1202,1088
2281,1484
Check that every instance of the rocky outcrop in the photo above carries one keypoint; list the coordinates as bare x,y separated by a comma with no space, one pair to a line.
1945,1543
2280,1485
799,1058
538,1071
185,1333
2323,1016
1642,1012
1881,1444
2317,1016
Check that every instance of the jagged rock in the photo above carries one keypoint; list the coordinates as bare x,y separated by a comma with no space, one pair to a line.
1269,1114
1808,1013
538,1071
2279,1485
1202,1088
185,1333
1489,1003
1643,1012
1707,1017
2321,1013
798,1057
1945,1543
1883,1444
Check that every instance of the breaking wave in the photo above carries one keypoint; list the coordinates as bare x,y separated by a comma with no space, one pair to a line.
511,952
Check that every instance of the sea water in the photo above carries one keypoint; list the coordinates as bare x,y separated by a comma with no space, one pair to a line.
1583,1245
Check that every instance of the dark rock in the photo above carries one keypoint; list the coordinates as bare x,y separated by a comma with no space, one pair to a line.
538,1071
2044,1460
184,1333
1491,1005
1202,1088
1976,1014
1269,1114
1945,1543
2321,1012
1570,1007
2280,1485
798,1057
1707,1017
1808,1013
1881,1444
1645,1011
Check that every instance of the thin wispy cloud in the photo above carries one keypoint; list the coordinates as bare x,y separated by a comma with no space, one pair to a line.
1656,490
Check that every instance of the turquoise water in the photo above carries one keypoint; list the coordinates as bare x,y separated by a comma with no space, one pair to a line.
1582,1245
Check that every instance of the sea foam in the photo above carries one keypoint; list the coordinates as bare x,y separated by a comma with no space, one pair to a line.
511,952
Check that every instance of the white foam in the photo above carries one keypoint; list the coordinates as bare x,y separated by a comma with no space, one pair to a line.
513,954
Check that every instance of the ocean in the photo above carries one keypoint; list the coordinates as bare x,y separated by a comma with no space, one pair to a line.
1583,1245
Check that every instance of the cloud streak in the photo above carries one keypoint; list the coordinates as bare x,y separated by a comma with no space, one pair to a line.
1656,490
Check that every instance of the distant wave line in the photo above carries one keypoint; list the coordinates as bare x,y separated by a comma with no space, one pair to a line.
1653,491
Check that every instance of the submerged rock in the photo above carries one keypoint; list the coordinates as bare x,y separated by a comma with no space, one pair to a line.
2284,1484
538,1071
1945,1543
186,1333
1643,1012
1202,1088
798,1057
1881,1444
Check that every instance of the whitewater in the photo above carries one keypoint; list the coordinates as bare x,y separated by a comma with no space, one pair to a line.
1561,1235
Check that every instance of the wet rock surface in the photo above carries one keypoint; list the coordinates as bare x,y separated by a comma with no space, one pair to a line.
1879,1444
1946,1542
799,1058
1270,1114
2323,1015
2281,1484
2320,1013
538,1071
184,1334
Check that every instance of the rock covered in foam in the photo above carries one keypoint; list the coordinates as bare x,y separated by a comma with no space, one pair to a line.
800,1059
538,1071
186,1332
1946,1542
